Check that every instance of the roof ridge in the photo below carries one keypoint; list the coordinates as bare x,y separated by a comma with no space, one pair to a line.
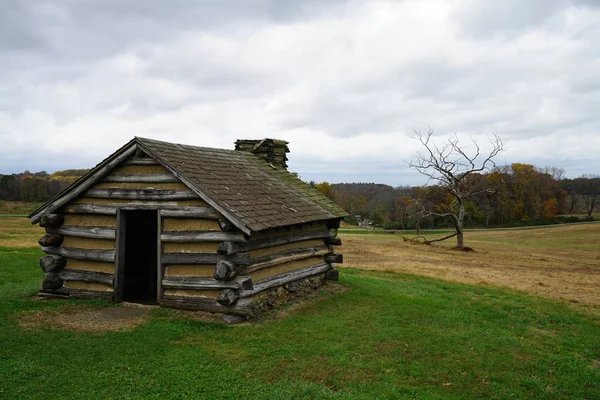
141,140
249,191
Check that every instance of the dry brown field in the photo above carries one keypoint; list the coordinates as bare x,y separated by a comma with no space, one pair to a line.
561,262
17,232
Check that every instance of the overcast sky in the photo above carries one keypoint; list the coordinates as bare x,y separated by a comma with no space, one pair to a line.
345,82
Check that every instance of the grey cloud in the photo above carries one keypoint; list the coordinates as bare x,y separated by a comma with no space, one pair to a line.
58,41
15,32
344,69
82,29
512,17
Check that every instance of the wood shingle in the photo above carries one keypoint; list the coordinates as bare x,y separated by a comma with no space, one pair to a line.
260,195
253,193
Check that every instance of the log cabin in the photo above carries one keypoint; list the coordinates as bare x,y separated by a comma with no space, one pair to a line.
224,231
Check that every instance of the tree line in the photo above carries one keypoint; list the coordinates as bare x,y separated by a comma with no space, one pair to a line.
36,186
512,195
518,194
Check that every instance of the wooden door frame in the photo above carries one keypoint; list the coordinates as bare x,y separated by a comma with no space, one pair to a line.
120,256
120,243
159,267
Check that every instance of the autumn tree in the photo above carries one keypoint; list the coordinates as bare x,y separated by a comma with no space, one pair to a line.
326,189
451,164
534,192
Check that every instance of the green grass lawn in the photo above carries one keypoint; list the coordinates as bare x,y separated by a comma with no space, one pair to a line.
388,336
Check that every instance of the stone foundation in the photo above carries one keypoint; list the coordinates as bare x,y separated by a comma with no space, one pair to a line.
276,297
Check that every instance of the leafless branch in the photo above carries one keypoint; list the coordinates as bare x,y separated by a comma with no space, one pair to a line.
441,239
450,165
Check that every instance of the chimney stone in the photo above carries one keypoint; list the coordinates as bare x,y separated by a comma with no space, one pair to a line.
271,150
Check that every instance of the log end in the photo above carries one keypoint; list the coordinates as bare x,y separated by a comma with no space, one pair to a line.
225,270
52,239
228,297
334,258
52,263
332,275
52,220
51,283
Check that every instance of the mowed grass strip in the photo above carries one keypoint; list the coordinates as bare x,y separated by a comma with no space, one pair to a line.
388,336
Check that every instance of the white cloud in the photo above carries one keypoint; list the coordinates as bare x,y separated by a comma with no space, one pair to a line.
345,82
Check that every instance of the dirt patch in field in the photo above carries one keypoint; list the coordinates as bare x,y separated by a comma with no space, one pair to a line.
567,269
86,320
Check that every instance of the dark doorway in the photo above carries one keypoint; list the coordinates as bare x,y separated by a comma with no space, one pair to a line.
140,269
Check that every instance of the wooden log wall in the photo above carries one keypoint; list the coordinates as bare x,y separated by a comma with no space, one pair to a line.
206,263
220,264
80,260
81,237
189,244
277,257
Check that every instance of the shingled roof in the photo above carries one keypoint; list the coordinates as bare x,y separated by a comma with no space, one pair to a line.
250,192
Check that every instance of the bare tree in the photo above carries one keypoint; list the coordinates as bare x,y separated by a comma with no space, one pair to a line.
590,193
452,168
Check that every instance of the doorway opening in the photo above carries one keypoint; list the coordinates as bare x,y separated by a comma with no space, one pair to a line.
140,266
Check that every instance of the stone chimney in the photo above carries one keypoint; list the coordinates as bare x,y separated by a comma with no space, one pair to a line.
271,150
